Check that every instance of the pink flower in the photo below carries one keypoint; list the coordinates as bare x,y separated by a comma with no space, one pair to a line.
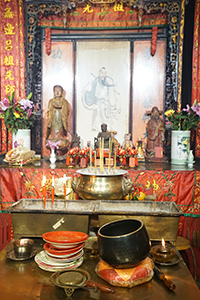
187,109
29,113
26,104
4,104
196,109
52,145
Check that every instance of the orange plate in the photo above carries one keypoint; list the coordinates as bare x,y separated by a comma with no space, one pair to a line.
52,250
66,237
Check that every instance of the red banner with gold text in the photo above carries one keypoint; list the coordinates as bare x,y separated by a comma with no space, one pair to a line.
12,56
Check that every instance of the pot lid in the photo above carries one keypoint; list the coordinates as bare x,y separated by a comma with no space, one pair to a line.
71,278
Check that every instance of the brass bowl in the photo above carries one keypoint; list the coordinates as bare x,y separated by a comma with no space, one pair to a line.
106,186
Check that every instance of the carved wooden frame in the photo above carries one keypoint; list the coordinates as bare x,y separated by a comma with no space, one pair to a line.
173,86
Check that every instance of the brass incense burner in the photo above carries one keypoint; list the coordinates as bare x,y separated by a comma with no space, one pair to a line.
97,186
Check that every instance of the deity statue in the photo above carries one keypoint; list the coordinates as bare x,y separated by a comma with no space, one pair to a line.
57,119
140,150
127,142
75,141
105,134
155,134
115,144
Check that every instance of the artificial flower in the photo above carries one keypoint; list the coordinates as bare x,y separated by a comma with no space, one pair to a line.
186,119
52,145
73,152
17,114
121,152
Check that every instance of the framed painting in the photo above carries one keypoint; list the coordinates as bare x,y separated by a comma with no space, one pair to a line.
102,88
148,85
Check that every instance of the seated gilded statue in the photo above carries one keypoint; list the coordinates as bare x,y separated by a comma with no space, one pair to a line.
115,144
57,119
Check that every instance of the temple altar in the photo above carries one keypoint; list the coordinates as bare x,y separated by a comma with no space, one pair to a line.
169,183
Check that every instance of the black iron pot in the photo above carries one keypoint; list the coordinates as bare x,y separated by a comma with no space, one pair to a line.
123,243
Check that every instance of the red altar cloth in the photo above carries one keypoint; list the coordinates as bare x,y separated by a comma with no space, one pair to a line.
181,187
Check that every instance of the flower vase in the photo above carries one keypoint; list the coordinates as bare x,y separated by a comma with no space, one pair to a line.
22,137
180,145
52,156
190,156
190,159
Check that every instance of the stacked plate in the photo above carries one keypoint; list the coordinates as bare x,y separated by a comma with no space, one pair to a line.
63,250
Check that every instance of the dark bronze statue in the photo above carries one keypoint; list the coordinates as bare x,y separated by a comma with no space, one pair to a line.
103,134
75,141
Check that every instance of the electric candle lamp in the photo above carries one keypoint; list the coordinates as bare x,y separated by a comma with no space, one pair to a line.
90,158
102,157
95,162
52,199
44,190
100,154
64,185
109,155
115,162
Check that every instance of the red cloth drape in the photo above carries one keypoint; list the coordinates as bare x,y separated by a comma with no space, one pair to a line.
196,67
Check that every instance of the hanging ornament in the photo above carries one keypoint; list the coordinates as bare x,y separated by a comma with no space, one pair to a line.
154,40
48,40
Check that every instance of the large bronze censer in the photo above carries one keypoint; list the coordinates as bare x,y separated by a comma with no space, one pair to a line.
91,185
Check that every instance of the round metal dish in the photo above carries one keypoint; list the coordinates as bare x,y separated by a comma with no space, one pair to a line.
11,255
67,280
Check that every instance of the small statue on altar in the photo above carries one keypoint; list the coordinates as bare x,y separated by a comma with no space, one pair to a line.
140,150
57,119
75,141
155,134
127,144
103,134
115,144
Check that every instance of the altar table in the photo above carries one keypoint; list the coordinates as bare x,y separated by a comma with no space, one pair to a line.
169,183
24,280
